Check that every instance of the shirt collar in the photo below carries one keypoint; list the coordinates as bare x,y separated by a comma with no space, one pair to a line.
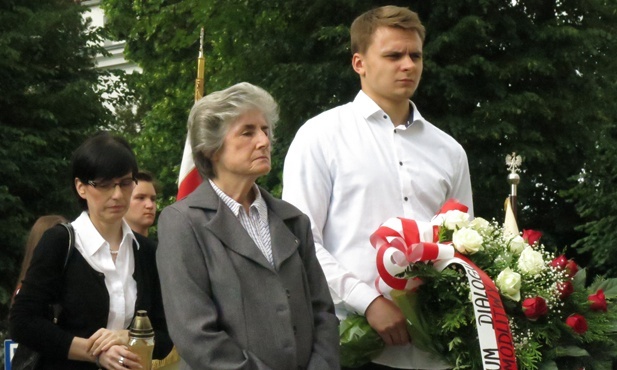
90,239
259,204
368,108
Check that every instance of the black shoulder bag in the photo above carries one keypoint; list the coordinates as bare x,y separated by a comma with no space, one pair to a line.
24,357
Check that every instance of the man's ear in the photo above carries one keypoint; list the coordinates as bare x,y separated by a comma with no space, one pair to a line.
357,63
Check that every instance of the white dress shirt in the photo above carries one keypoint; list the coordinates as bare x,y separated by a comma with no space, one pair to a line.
119,280
350,169
255,222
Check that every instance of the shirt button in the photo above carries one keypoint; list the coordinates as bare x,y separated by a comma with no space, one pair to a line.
405,199
395,131
385,117
400,163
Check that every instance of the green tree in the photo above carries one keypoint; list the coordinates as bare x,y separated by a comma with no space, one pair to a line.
596,195
266,43
596,192
500,76
48,103
523,76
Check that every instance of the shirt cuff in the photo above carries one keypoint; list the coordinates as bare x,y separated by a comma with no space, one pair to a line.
361,297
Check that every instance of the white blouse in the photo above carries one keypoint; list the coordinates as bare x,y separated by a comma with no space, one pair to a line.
119,281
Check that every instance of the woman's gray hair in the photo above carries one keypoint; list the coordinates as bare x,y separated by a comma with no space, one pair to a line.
212,116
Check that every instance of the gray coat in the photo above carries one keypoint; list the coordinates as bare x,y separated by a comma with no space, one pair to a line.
226,306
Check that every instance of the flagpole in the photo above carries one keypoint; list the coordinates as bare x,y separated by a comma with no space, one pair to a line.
514,162
189,177
201,68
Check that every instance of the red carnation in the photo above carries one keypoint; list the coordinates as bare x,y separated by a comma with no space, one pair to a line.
565,289
533,308
598,301
531,236
577,323
560,262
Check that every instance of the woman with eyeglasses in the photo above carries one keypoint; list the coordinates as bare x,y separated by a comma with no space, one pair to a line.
110,274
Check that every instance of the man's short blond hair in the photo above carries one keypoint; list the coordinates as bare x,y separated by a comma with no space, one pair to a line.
363,27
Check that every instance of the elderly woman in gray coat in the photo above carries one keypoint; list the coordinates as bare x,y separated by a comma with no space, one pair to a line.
242,288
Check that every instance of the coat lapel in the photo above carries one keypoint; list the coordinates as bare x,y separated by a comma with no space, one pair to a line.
284,242
230,232
227,228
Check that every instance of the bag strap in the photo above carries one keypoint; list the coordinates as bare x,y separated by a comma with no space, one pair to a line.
57,308
71,231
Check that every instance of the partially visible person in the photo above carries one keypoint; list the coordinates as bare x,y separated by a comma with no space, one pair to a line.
109,275
241,284
355,166
142,209
36,232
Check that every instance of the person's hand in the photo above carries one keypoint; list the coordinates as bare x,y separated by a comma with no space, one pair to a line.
388,321
103,339
119,358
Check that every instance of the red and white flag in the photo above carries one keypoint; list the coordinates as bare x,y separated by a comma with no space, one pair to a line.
189,179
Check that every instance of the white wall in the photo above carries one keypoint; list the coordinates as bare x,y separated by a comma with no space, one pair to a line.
116,48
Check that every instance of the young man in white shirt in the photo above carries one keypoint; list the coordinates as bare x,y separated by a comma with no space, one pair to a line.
354,166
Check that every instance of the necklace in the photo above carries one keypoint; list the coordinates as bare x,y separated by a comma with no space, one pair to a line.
114,252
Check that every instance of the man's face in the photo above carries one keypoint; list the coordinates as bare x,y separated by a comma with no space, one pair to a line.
391,67
142,209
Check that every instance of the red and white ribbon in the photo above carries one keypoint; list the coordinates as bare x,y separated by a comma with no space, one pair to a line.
401,242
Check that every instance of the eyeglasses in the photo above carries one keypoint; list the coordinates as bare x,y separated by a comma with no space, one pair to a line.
124,184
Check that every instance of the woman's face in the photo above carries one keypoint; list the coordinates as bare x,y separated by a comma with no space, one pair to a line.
245,153
108,200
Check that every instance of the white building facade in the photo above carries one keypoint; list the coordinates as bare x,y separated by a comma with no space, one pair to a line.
115,48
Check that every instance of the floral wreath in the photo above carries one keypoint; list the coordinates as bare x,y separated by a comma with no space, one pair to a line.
541,313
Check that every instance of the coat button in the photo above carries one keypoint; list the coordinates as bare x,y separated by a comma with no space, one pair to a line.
288,293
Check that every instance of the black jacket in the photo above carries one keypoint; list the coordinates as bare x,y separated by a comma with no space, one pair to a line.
84,299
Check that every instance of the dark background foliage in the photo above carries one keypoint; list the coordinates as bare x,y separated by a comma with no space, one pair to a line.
49,102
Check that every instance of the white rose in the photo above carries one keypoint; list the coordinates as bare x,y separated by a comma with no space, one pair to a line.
517,244
467,241
480,224
452,220
509,284
531,261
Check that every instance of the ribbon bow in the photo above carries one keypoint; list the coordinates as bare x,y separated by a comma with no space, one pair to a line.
401,242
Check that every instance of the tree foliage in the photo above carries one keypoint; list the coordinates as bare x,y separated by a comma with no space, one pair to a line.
524,76
596,197
48,103
501,76
293,49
